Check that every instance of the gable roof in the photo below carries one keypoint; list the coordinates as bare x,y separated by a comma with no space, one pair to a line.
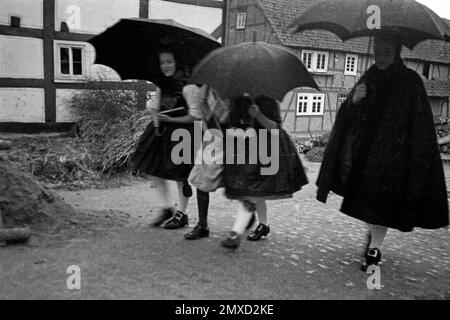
281,13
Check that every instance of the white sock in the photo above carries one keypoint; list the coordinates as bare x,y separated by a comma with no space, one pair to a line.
163,191
182,200
242,219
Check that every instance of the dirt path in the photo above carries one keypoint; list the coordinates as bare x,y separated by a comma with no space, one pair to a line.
313,252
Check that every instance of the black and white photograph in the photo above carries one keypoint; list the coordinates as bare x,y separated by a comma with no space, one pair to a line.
224,156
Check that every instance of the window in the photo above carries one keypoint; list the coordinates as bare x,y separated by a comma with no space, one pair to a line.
309,104
351,64
240,20
341,98
315,61
302,104
321,62
70,60
307,59
15,21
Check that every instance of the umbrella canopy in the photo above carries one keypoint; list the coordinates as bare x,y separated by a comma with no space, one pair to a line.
408,20
131,46
257,68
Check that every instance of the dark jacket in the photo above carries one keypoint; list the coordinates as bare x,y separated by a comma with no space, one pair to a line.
383,157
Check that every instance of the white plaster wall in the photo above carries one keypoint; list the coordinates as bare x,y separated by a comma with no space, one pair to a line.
21,105
21,57
204,18
63,112
30,12
93,16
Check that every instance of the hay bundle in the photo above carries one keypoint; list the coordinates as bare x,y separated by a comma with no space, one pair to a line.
122,141
66,163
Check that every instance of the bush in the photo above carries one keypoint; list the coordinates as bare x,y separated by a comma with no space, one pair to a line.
103,105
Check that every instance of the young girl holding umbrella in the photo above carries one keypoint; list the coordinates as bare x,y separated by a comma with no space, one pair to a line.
170,111
263,70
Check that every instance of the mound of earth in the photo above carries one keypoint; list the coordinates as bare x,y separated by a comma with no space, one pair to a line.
23,202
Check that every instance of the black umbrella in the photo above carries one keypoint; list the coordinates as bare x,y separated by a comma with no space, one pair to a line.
408,20
131,46
257,68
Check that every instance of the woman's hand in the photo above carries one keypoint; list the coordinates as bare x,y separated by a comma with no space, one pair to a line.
360,93
254,111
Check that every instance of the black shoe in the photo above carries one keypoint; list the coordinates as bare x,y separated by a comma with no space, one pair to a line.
187,189
373,258
231,241
166,214
251,222
197,233
179,220
260,231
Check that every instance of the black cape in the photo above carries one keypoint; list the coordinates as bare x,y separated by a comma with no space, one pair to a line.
383,158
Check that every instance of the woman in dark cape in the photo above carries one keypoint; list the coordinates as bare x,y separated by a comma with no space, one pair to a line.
153,155
247,182
383,157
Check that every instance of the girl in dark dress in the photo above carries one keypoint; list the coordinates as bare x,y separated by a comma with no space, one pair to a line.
382,156
247,182
153,155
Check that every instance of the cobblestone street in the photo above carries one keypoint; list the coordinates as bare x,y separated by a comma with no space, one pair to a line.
313,252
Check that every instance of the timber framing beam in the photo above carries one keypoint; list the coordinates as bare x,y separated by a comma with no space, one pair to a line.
202,3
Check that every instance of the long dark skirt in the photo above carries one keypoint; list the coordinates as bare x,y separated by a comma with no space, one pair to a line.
153,154
245,180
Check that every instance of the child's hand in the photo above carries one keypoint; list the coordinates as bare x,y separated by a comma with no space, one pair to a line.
155,118
164,118
254,111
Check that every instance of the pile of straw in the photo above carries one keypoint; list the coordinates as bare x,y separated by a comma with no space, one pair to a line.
121,142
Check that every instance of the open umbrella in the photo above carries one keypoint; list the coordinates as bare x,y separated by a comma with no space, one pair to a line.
410,21
257,68
131,46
